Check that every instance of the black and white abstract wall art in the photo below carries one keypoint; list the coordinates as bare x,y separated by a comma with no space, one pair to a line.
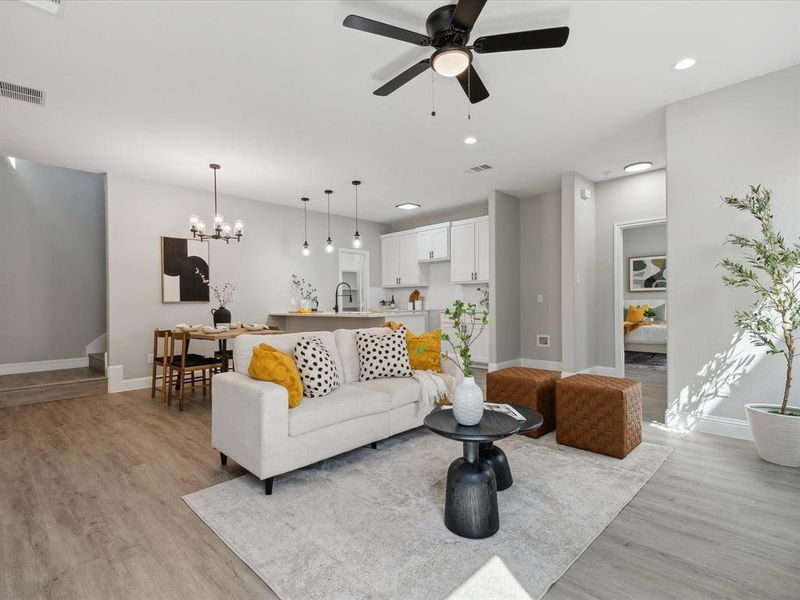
180,260
648,273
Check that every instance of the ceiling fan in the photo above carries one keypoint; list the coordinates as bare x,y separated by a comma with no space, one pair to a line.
449,28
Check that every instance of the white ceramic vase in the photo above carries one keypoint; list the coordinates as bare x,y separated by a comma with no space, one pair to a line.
468,402
777,437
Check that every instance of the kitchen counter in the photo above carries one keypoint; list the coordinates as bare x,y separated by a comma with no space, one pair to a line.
329,321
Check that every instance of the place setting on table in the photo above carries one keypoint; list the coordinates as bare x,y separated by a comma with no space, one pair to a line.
222,332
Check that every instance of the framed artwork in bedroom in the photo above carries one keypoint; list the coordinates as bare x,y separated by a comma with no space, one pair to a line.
181,259
647,273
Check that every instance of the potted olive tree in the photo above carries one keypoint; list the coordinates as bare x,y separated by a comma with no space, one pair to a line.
771,269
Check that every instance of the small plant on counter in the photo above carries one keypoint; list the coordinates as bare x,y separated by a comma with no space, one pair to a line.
304,289
223,295
469,322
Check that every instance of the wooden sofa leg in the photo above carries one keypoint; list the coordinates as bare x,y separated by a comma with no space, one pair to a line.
268,485
223,458
374,445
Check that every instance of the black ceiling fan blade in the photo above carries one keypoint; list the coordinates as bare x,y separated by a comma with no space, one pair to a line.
536,39
473,85
403,78
467,12
390,31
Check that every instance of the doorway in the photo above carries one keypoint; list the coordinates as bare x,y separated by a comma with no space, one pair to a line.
354,270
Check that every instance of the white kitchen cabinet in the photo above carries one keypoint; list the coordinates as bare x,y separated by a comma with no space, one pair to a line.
469,251
399,265
433,242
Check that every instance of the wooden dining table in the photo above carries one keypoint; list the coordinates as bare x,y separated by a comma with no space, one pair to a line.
222,338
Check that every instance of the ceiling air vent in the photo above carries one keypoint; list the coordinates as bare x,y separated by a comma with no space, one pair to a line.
478,169
51,6
20,92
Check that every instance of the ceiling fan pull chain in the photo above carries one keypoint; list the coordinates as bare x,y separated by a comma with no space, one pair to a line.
433,94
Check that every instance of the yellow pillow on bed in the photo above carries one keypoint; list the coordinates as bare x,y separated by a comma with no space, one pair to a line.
270,364
636,313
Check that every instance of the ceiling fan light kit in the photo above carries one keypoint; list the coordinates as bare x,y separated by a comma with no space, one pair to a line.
449,28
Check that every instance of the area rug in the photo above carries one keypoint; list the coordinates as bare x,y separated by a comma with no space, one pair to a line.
368,525
648,359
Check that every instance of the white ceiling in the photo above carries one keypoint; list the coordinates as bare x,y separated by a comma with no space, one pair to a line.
280,94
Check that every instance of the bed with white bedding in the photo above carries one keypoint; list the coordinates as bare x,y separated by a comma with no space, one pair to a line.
651,337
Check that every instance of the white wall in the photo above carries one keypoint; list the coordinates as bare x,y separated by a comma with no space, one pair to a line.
504,277
578,288
540,273
717,145
139,212
52,261
650,240
633,198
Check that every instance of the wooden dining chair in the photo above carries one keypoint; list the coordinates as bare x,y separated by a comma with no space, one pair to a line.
184,365
161,360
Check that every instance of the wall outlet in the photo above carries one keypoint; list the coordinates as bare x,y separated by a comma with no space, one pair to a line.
150,359
542,340
540,298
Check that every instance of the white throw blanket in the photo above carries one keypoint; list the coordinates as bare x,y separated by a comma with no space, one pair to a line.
433,387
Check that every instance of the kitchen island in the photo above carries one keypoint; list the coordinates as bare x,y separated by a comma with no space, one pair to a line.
415,320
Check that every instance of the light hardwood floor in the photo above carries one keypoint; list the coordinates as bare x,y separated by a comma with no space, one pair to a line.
90,508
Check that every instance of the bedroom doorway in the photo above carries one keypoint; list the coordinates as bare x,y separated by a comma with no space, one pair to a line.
640,284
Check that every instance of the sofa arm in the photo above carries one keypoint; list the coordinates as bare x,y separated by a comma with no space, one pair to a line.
249,419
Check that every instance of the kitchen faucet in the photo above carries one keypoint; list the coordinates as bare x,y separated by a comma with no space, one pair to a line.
336,295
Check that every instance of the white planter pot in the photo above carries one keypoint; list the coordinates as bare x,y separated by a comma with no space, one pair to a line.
777,437
468,402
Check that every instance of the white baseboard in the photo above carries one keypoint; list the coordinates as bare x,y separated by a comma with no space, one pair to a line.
99,344
505,364
117,382
44,365
724,426
549,365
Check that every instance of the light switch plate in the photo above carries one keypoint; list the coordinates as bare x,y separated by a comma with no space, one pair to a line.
149,359
540,298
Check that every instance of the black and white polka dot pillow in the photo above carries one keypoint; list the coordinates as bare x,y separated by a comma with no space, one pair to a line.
382,355
317,369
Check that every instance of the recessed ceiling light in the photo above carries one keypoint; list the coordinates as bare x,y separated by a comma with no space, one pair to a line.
638,166
685,63
407,206
13,161
470,139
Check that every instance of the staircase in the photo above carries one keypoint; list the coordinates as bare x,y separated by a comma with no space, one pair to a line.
62,384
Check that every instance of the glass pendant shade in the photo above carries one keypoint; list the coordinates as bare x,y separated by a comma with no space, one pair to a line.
356,240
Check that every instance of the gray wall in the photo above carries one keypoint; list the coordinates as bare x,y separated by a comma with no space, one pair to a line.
718,144
649,240
633,198
578,283
52,243
540,273
504,260
139,212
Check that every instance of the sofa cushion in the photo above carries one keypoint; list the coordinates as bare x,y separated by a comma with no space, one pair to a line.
243,346
348,350
382,355
318,371
401,390
346,403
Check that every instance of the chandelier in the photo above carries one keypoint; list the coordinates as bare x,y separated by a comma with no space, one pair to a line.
222,229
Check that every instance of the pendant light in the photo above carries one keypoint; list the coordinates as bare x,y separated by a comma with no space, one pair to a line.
356,235
306,247
222,230
329,241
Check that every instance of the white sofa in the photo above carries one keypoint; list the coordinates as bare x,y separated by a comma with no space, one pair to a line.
252,424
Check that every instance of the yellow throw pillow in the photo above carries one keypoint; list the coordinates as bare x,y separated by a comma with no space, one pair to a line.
270,364
425,351
636,313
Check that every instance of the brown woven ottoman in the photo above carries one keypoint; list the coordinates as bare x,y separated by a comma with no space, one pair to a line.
533,388
599,414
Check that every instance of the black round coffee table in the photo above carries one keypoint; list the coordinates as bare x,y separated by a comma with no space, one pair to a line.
470,508
497,458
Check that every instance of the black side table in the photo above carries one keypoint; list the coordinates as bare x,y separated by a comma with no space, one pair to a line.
471,502
497,458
